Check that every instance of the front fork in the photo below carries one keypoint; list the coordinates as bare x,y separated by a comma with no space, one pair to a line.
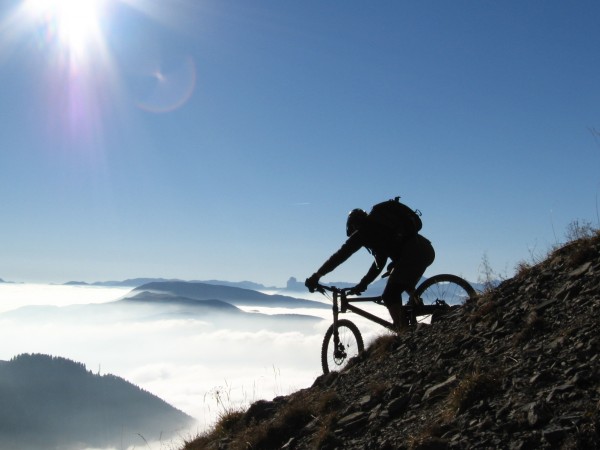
338,348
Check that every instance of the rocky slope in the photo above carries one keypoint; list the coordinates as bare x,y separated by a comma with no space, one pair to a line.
516,368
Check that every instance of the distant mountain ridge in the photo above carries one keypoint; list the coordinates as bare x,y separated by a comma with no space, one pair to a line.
165,298
213,306
292,285
233,295
136,282
52,402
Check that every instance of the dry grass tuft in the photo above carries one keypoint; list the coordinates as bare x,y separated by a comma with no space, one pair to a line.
228,423
485,309
328,402
379,388
429,438
584,251
473,388
382,346
583,244
273,433
523,269
533,323
326,409
324,437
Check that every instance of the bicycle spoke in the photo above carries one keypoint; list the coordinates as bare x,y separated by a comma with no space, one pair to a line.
335,357
444,288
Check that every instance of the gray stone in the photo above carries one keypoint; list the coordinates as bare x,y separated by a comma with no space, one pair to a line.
352,419
439,389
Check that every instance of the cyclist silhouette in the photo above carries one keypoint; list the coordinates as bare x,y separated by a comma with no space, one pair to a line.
410,255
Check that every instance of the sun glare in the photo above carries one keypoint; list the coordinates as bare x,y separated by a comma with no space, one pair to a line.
84,80
75,24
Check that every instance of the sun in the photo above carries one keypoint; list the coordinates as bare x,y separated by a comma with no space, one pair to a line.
74,24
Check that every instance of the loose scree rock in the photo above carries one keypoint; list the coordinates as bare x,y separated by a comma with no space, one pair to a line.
516,368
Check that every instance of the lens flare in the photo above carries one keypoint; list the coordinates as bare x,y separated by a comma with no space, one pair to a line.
167,88
81,52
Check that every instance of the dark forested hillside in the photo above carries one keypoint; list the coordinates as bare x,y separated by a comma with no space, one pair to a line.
48,402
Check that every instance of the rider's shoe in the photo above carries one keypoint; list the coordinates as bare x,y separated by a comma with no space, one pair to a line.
401,328
400,320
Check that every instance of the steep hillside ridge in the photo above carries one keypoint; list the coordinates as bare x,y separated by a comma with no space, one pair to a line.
516,368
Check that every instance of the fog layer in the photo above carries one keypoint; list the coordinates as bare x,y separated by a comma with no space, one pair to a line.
200,363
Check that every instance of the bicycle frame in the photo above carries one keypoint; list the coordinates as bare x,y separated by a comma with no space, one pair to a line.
341,303
343,340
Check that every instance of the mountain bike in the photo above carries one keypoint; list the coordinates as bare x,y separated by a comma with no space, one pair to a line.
433,299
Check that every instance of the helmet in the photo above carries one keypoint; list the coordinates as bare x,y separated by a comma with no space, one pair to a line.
356,217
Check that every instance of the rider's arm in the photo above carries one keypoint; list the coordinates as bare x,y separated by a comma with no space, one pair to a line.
375,269
351,246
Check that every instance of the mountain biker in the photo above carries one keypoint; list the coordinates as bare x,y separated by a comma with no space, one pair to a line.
410,255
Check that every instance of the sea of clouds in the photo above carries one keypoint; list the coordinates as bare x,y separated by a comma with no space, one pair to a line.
195,366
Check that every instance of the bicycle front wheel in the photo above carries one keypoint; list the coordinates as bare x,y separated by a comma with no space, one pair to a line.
444,289
337,351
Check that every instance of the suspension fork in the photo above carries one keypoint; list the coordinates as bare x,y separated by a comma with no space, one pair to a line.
336,312
339,350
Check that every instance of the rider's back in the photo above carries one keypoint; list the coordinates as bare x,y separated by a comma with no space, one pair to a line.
395,219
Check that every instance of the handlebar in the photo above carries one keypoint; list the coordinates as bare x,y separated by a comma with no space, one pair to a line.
335,290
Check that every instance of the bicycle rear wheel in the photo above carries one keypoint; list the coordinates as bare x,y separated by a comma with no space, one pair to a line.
335,353
444,289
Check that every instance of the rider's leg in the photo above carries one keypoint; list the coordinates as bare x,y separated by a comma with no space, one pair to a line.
398,316
392,298
416,255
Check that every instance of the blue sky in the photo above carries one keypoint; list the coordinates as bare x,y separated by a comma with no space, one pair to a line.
229,139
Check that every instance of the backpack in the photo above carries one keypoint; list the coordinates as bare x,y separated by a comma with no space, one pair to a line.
397,218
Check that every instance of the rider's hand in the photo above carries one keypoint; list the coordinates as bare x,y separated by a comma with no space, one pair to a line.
312,282
358,289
